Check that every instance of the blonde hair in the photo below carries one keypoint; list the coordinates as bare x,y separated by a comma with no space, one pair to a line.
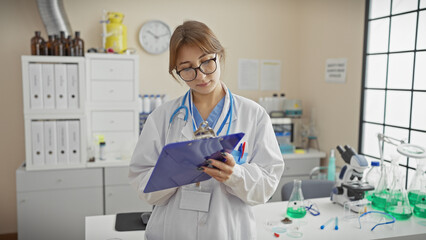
194,33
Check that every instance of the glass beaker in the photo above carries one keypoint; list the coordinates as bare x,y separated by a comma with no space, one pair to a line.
397,203
296,207
420,204
414,189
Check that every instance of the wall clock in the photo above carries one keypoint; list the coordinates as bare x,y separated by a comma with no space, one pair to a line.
154,37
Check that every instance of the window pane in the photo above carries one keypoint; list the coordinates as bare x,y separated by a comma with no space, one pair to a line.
369,139
421,32
389,149
374,106
418,119
420,72
379,8
400,6
411,174
403,31
422,3
418,138
398,108
378,35
376,71
400,70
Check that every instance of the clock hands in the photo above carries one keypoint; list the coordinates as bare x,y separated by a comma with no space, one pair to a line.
155,36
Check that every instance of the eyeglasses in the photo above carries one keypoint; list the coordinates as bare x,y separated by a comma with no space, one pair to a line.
378,224
207,67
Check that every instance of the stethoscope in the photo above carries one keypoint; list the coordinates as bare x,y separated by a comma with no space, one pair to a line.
182,106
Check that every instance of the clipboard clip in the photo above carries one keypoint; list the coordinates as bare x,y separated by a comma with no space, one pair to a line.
204,131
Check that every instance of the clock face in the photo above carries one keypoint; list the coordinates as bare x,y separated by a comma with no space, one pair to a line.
154,37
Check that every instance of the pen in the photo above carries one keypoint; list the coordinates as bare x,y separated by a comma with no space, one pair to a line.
243,148
336,224
326,223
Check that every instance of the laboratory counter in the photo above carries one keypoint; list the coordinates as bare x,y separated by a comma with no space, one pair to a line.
269,226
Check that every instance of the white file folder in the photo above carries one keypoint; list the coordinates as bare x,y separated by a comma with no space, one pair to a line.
37,143
36,87
74,141
48,86
62,141
61,86
72,79
50,142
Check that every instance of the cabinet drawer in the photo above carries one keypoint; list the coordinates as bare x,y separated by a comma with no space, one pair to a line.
113,121
299,166
57,179
117,176
112,69
118,141
112,91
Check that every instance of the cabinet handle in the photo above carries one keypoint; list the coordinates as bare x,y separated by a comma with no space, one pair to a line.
22,201
111,91
109,194
59,180
111,69
112,121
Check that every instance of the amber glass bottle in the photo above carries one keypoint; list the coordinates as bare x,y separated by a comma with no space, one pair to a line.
69,47
58,47
37,44
78,45
49,45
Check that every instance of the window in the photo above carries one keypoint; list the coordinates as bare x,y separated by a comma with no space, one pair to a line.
394,79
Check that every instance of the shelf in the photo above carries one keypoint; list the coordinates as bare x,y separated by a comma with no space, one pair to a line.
309,154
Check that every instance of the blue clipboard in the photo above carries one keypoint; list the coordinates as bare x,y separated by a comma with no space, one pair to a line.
178,162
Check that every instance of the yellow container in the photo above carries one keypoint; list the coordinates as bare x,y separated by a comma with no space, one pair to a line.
116,37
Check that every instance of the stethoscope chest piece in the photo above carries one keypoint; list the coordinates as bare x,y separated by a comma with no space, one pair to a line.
204,131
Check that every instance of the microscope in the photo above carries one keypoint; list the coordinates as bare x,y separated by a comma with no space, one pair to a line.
349,186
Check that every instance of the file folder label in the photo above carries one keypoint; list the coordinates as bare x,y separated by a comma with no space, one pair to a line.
62,141
48,86
72,79
74,141
37,143
61,86
50,142
36,92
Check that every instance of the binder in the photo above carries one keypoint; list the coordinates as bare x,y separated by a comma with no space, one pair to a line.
37,143
50,142
62,141
36,88
61,86
74,141
48,86
72,79
178,162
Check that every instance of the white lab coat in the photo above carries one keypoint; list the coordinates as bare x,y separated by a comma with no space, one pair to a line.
230,215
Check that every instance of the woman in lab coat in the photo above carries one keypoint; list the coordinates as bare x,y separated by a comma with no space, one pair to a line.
219,208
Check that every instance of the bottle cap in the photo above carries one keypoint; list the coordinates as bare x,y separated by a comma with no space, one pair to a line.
375,163
332,153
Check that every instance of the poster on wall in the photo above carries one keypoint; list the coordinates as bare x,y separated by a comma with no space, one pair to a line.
335,70
270,71
248,74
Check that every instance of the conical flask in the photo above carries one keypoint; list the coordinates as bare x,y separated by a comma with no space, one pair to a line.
381,191
296,207
420,204
415,186
397,203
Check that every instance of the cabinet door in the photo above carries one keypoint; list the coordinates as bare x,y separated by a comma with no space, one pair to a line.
57,214
123,198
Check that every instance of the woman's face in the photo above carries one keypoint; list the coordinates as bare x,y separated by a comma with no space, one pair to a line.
192,57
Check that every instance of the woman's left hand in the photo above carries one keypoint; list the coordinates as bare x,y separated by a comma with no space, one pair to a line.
224,169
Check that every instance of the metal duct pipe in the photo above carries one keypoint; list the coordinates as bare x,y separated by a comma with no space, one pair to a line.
54,17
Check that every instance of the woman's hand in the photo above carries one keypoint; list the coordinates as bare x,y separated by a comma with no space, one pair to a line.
224,169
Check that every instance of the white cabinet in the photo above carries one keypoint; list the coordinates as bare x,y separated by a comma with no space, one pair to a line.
54,112
297,166
112,106
53,204
119,195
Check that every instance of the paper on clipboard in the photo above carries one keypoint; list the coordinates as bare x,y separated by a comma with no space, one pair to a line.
178,162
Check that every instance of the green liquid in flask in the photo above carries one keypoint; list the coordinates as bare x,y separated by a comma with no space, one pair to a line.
400,212
420,210
379,201
412,197
296,212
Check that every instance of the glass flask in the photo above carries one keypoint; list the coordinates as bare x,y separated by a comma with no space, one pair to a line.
296,207
414,188
397,203
381,191
420,204
372,178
